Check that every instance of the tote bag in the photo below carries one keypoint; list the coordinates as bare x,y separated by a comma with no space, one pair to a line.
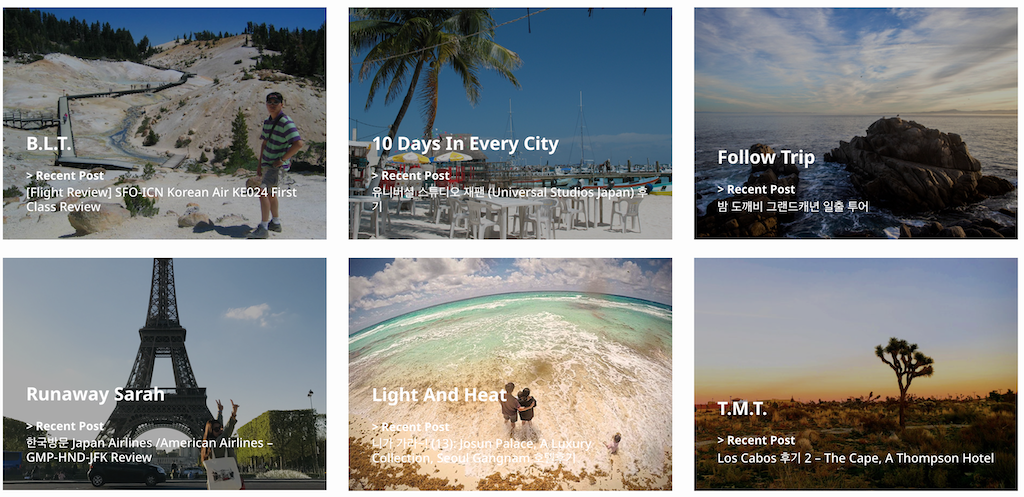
222,473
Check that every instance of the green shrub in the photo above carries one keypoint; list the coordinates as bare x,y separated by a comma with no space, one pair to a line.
12,192
239,61
143,126
148,171
152,139
221,154
140,205
182,143
203,158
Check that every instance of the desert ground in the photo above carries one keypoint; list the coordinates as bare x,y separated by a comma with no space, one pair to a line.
867,427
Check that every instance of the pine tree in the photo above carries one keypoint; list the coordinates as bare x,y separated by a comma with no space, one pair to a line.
241,154
151,139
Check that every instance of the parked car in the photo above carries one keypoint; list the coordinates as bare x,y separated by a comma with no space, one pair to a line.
101,473
193,473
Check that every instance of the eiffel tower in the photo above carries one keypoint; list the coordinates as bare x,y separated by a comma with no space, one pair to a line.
184,406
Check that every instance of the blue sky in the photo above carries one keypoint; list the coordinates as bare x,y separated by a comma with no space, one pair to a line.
807,328
381,289
164,25
73,324
620,59
855,61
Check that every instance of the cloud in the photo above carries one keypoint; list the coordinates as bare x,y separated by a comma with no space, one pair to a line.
408,284
252,313
859,60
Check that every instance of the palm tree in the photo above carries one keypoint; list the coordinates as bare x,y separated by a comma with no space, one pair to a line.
404,42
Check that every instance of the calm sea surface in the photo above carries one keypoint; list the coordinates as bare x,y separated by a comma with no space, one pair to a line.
597,365
991,139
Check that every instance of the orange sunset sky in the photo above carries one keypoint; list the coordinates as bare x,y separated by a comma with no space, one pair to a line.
807,329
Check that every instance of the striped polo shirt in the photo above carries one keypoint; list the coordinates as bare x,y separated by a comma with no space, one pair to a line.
280,135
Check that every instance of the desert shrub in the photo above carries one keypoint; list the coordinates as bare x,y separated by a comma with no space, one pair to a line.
1000,474
141,205
992,433
12,192
1004,407
923,440
203,158
181,143
143,126
195,167
794,414
247,75
239,61
960,415
181,103
877,423
148,171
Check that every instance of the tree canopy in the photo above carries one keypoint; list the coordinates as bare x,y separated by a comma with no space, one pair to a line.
401,43
34,32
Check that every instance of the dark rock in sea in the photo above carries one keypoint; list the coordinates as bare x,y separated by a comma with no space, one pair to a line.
856,234
722,220
907,167
967,228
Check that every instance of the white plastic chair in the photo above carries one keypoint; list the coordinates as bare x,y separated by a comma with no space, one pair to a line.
380,218
573,209
457,211
479,218
542,219
405,199
631,210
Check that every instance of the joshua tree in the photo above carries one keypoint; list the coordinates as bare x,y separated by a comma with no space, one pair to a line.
402,44
908,364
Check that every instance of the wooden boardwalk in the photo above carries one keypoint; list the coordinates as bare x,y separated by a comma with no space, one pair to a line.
62,120
30,119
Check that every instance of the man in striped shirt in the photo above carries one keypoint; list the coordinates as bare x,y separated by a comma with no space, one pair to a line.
281,141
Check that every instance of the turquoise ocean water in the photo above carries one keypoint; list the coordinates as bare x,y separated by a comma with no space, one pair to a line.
597,365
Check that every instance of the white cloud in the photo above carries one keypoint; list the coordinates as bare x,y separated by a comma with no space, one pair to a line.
251,313
865,61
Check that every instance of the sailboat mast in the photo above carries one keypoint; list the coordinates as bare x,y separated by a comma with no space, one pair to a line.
582,162
515,160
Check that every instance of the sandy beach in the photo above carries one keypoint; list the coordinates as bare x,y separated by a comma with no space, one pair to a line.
655,223
435,475
595,365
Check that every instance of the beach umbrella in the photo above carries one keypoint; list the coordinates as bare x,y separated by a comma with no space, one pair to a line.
410,158
452,157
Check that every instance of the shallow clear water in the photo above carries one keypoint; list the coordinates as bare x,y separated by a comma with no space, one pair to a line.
992,139
597,365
